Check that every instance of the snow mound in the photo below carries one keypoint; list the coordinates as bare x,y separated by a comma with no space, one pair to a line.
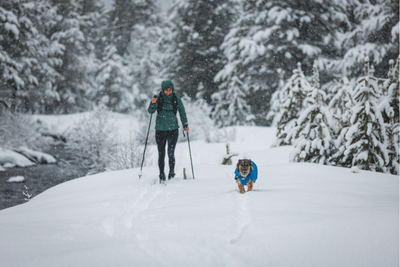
37,156
16,179
9,158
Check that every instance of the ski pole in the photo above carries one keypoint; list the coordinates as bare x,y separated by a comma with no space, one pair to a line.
190,152
145,144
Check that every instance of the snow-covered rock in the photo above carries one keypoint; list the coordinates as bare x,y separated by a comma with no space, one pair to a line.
9,158
37,156
16,179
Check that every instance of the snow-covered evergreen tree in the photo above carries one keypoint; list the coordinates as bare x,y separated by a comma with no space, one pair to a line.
199,28
276,99
366,144
278,34
126,76
124,16
95,30
78,55
230,104
340,106
313,131
292,104
146,56
28,56
113,80
341,101
201,104
374,33
199,112
390,109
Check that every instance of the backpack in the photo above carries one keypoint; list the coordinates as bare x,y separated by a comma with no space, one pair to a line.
161,103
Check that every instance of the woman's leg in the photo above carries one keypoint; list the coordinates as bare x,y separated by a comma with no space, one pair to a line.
172,140
161,140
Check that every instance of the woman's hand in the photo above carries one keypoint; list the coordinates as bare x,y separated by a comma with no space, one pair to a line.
187,128
154,100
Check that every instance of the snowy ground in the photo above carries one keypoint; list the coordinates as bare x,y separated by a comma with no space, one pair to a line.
298,215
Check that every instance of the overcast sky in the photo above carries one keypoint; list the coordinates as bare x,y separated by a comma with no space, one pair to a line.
165,4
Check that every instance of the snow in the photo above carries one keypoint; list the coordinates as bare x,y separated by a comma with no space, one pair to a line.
9,158
23,157
16,179
12,28
39,157
299,214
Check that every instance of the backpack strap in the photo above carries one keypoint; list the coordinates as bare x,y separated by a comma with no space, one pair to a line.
161,103
174,103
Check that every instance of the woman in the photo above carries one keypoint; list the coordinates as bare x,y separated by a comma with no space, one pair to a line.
167,104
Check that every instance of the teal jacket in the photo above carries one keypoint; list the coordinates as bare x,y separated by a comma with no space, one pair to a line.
166,120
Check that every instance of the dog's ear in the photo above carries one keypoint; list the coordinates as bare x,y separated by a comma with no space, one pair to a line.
251,164
238,164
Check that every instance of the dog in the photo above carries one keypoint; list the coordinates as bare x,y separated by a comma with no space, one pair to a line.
246,174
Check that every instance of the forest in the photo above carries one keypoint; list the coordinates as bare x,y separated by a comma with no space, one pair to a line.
325,73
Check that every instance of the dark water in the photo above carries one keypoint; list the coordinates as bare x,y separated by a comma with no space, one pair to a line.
37,178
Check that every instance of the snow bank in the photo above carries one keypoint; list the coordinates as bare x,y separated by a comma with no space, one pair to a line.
16,179
9,158
37,156
299,214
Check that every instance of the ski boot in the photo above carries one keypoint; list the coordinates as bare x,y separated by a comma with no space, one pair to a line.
162,178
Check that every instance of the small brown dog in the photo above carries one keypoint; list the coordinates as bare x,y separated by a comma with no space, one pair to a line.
245,174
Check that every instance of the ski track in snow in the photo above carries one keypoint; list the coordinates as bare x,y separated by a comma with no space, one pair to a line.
243,216
128,210
241,207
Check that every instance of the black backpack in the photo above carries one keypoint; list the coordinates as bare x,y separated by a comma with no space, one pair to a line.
161,103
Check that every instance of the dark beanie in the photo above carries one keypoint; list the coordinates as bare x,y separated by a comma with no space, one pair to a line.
167,84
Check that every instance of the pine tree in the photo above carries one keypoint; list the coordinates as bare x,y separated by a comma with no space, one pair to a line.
230,105
28,56
390,109
366,138
199,112
199,28
130,62
95,31
77,58
278,34
340,106
292,103
114,79
341,100
276,99
124,16
146,56
313,131
374,33
203,107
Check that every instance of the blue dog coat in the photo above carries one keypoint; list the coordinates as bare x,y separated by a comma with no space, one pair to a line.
253,175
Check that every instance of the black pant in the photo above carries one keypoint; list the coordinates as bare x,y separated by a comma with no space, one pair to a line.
161,138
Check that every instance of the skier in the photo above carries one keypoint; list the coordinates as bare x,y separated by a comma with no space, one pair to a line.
167,103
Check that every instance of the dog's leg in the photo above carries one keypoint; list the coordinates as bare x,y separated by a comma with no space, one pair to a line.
240,186
250,185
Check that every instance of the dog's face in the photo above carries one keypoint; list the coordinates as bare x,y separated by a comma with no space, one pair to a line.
244,167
